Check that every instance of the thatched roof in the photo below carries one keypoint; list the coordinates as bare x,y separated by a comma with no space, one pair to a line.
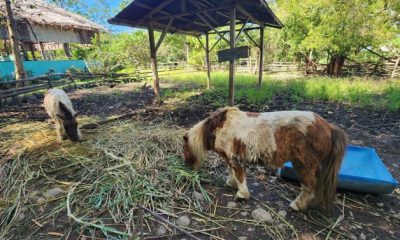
37,12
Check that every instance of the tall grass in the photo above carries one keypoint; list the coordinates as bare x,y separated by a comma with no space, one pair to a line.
366,92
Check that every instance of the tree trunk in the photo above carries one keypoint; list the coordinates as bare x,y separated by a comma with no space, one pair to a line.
19,67
334,67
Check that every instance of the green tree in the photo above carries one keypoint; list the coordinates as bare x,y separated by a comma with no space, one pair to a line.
337,28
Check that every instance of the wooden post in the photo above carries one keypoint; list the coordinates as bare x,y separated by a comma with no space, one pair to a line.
24,51
19,67
260,69
42,51
67,50
395,67
32,51
153,62
231,100
8,51
208,61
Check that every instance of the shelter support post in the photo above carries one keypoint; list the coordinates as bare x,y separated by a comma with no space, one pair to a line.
208,61
232,20
261,62
24,51
67,51
32,51
153,62
42,51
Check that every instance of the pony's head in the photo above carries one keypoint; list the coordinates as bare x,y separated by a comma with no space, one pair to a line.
201,137
193,148
69,122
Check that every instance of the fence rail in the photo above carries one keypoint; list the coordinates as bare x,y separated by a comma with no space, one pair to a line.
9,89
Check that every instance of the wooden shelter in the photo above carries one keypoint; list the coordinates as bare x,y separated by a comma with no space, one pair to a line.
39,23
197,17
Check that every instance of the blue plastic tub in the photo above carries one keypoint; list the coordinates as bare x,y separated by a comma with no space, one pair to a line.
362,170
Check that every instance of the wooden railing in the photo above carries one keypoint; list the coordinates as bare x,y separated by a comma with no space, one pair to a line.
9,88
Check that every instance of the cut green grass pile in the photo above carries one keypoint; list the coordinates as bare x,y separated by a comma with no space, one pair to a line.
366,92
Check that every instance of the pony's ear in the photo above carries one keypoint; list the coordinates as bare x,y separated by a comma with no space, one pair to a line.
186,137
58,115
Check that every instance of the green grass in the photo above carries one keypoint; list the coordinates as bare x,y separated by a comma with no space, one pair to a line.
356,91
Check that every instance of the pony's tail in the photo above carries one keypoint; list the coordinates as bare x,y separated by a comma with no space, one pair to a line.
327,179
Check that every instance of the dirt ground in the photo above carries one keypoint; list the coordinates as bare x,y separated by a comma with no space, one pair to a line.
366,216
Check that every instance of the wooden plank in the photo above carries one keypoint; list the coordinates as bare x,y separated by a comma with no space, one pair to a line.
394,68
233,53
232,25
208,61
261,44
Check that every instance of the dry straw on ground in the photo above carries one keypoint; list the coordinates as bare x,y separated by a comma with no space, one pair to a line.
104,178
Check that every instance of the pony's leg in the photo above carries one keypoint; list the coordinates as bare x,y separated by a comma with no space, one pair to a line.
59,131
231,180
240,178
308,185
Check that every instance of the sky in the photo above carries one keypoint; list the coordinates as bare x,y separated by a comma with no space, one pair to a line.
114,4
101,13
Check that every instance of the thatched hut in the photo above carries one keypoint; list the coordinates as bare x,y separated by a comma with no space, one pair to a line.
39,22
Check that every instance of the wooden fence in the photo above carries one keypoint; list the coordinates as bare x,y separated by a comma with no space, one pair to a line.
8,88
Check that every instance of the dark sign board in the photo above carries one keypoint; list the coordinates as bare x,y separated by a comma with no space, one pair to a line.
233,54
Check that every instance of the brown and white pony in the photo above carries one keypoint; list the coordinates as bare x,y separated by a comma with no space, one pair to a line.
59,108
314,146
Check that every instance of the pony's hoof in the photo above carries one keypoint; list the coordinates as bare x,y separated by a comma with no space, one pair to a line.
242,196
231,183
293,205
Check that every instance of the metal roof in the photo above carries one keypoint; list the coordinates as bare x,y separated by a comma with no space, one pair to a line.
193,17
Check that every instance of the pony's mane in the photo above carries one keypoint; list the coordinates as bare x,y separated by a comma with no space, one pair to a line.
201,137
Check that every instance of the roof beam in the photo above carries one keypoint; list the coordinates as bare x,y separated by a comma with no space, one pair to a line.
154,10
241,29
237,30
202,45
200,10
163,34
249,15
205,13
255,43
142,5
215,44
212,27
205,3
